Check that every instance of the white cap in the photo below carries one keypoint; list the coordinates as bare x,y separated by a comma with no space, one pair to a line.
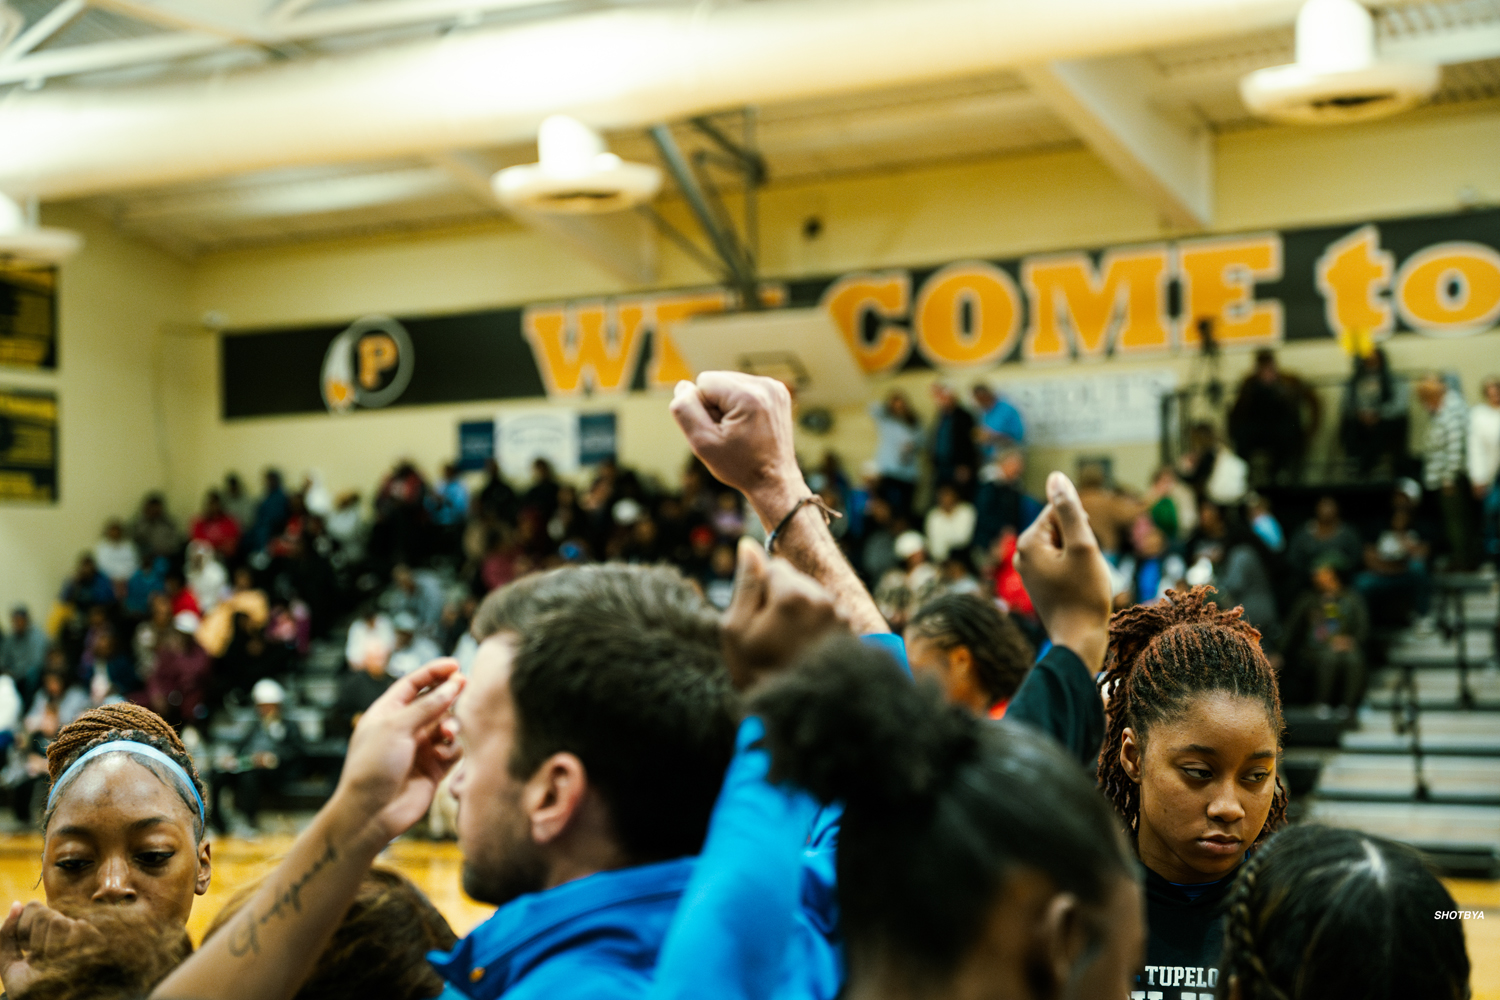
267,692
627,511
909,544
1411,488
185,621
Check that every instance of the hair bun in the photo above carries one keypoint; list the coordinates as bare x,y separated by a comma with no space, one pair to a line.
848,725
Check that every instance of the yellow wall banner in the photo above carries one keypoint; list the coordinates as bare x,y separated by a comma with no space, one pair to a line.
28,317
1435,276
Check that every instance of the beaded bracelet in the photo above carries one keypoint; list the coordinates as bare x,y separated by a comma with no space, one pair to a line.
828,515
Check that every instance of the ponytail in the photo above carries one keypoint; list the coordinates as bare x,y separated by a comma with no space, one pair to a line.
940,807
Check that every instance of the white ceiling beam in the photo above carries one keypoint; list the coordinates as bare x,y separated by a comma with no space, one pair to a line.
208,34
169,15
76,59
1108,102
49,24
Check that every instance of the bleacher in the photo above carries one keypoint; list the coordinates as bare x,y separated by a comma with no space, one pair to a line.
1420,761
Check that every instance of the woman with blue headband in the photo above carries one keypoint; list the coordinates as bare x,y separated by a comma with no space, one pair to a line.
124,826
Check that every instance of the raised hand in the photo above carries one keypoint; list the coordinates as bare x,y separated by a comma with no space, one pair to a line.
775,614
32,934
1066,575
741,427
401,749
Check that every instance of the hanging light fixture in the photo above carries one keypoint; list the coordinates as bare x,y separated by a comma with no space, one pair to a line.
576,174
1338,76
25,243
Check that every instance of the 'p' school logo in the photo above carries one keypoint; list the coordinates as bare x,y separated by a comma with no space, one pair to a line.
368,365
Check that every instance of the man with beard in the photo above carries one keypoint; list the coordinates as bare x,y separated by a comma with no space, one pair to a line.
595,729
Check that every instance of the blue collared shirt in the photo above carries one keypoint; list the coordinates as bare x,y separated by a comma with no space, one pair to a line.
596,937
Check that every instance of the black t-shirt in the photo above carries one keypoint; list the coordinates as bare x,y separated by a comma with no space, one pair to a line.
1059,697
1184,938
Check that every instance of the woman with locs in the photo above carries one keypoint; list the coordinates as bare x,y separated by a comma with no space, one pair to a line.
124,827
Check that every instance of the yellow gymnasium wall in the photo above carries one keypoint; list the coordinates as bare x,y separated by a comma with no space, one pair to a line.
117,299
1426,162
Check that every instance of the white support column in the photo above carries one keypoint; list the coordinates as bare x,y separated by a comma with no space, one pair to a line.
1108,103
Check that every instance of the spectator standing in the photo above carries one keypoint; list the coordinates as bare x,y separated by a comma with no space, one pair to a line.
1000,424
23,653
950,524
271,513
1443,472
898,446
116,555
1267,423
1111,512
216,527
1373,421
448,506
1325,535
1484,462
238,503
497,500
1240,573
955,454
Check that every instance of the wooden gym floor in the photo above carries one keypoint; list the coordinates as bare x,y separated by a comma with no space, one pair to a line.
435,868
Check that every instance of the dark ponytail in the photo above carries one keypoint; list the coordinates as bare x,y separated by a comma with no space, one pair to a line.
940,807
1327,913
1163,655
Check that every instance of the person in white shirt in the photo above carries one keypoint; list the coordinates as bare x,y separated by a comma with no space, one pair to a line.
371,624
115,555
1484,461
950,525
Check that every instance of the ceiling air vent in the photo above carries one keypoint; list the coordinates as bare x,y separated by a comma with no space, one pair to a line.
1337,76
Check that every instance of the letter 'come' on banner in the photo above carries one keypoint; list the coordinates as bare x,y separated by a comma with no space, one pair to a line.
1122,306
967,314
1450,289
1351,275
1218,283
888,296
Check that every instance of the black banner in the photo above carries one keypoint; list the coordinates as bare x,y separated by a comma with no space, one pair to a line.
1438,276
28,317
28,446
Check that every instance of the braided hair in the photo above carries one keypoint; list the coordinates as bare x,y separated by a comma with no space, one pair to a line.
1325,912
130,723
1002,656
1160,657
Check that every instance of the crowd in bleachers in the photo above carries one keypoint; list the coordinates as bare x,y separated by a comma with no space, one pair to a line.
186,618
665,801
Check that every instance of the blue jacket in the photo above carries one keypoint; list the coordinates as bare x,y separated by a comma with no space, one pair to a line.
595,938
760,918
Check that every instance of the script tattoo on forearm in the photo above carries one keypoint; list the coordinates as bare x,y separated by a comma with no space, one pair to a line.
244,939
